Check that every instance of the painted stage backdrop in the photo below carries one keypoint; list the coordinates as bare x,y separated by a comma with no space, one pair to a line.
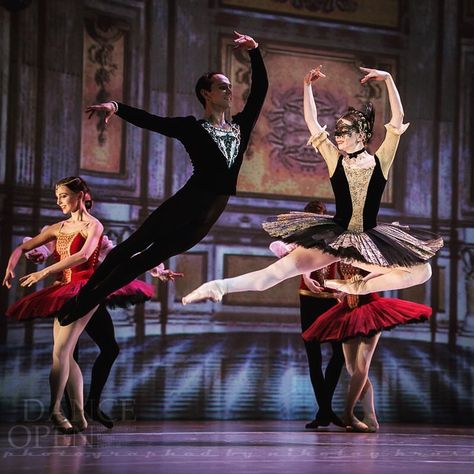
242,358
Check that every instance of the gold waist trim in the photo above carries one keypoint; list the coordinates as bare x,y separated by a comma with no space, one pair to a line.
323,294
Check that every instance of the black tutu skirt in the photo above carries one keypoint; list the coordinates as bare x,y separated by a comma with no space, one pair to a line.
372,315
386,245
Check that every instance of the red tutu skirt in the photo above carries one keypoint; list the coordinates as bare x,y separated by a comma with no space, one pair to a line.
373,315
47,302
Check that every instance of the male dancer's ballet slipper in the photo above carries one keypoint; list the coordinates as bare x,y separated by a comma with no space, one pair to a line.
212,290
335,420
95,413
325,419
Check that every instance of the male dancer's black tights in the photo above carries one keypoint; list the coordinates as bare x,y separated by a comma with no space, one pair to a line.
177,225
323,384
101,330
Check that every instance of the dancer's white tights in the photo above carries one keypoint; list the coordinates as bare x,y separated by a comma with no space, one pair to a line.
391,278
303,260
358,354
299,261
65,369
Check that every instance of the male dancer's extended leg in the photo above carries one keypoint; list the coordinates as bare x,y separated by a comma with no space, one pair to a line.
152,228
177,225
178,233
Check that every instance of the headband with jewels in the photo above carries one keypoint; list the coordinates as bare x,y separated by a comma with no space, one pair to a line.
360,120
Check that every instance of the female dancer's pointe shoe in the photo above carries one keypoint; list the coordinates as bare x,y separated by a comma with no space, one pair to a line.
80,424
212,290
372,423
95,413
62,424
78,420
355,425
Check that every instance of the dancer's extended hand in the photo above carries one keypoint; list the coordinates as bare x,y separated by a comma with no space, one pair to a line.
164,274
373,75
313,75
169,275
107,107
311,284
9,275
244,41
32,278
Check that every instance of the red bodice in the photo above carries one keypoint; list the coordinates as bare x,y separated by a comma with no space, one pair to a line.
68,244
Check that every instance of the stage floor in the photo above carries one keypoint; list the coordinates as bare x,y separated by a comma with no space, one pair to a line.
243,447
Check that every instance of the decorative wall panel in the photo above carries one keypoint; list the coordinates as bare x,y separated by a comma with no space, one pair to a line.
466,141
278,161
369,12
103,77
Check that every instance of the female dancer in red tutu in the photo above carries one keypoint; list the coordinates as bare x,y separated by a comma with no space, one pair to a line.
77,244
100,329
358,321
395,256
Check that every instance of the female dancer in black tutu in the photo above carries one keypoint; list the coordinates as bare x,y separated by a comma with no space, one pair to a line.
77,244
395,257
358,322
216,149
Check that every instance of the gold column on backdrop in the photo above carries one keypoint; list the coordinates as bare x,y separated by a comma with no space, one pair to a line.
278,161
103,76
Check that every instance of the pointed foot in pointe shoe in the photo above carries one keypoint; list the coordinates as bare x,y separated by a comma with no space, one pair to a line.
372,423
62,424
356,426
212,290
79,425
